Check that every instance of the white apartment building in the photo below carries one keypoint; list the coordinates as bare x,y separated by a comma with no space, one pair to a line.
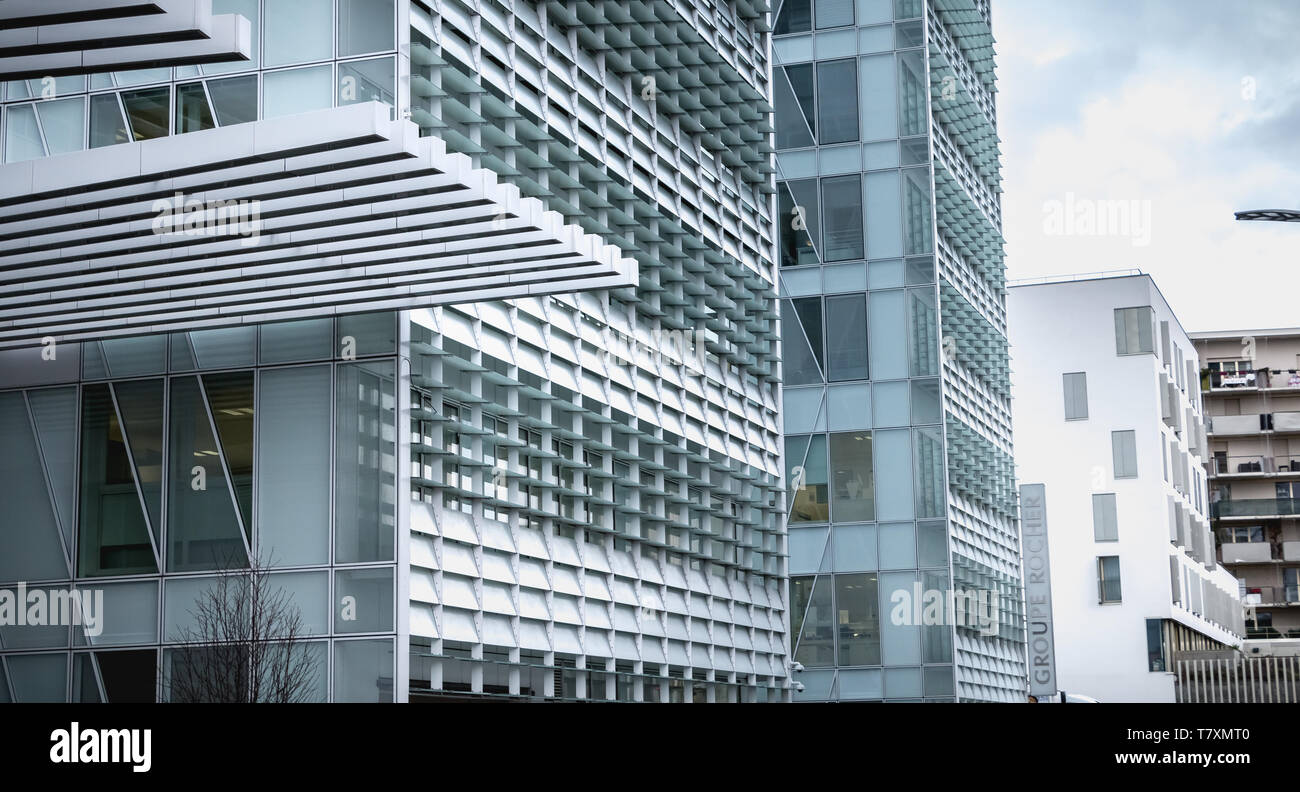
1107,415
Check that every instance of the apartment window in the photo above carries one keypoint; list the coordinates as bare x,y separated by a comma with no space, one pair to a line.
1243,533
1134,331
1108,589
1156,645
1076,396
1123,445
1105,525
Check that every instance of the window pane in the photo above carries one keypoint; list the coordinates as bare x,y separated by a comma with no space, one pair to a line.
308,339
806,474
1105,524
1076,396
202,531
370,334
38,679
192,112
857,614
1124,451
800,226
912,92
363,600
107,125
231,398
365,81
800,78
22,136
293,465
846,327
1109,582
64,124
54,411
130,614
917,207
298,31
29,535
365,478
363,671
129,677
114,536
801,341
296,91
795,17
140,403
149,112
234,99
811,625
792,130
928,460
837,101
834,13
853,482
923,335
842,218
365,26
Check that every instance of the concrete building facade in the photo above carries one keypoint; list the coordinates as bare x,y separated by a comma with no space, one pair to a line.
1108,416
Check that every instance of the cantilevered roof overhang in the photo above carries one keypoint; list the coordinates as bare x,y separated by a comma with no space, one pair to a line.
52,38
331,212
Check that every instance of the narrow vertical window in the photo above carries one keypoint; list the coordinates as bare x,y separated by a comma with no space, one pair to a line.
1076,396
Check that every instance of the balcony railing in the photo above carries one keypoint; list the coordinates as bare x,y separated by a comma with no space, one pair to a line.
1246,552
1271,595
1256,507
1273,379
1253,423
1254,465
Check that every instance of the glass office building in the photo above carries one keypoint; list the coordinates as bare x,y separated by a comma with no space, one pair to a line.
522,492
896,397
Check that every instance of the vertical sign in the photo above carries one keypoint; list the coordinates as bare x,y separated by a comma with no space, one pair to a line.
1038,590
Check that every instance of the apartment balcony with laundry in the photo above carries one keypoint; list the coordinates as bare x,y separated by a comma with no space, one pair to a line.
1222,378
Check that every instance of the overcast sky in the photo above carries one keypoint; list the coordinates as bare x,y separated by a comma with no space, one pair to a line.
1182,111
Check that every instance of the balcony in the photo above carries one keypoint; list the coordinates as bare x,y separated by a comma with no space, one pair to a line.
1245,508
1232,380
1253,423
1246,552
1271,596
1254,466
